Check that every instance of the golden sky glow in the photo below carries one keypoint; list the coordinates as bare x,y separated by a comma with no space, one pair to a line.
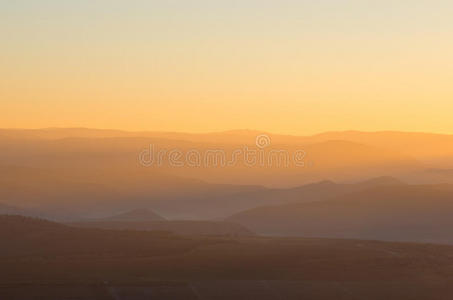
284,66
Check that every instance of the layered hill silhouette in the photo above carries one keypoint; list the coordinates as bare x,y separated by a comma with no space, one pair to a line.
79,149
62,195
89,193
418,144
420,213
68,174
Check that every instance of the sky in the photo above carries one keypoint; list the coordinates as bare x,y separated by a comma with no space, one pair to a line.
296,67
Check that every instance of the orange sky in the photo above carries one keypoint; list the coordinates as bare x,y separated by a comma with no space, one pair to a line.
291,67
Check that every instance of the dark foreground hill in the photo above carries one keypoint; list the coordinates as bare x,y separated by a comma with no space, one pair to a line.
45,260
395,213
23,236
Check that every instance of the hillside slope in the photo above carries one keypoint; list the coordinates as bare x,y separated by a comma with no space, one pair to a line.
53,261
397,213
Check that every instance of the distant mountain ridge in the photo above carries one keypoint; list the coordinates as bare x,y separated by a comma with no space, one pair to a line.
78,148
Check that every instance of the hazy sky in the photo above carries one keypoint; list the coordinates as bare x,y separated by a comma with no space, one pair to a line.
285,66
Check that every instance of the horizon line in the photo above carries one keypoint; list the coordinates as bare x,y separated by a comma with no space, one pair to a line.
226,131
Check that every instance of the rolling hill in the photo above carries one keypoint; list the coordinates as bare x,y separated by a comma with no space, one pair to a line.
420,213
